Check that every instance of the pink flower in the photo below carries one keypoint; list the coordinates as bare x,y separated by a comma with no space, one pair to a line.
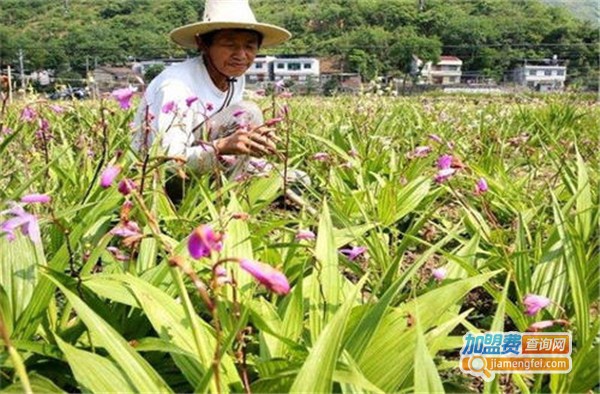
321,156
28,114
36,198
126,230
420,151
354,252
108,176
284,111
238,113
285,95
203,241
57,109
353,153
444,162
209,106
273,122
439,273
117,253
534,303
126,186
191,100
25,221
546,324
43,131
436,138
305,234
443,175
169,107
123,96
268,276
221,275
481,186
280,84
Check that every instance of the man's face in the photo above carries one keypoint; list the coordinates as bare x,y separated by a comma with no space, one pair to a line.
233,51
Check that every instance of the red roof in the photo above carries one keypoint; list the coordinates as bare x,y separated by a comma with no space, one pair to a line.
450,58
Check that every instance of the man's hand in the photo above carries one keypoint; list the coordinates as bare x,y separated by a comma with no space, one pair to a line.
257,142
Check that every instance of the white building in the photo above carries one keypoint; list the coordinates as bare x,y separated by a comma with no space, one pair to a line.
274,69
544,76
445,72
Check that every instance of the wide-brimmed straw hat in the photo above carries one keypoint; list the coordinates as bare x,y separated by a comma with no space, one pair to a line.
228,14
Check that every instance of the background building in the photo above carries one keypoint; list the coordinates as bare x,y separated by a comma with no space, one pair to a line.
445,72
545,75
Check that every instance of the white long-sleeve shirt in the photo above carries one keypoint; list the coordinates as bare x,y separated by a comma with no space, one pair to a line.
173,118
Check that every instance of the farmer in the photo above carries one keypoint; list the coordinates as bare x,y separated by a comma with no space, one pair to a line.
195,108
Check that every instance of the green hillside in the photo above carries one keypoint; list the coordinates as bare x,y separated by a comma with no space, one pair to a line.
583,9
372,37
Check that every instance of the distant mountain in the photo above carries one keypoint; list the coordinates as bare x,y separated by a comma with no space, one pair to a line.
583,9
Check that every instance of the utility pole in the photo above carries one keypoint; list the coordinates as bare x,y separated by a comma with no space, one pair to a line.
21,68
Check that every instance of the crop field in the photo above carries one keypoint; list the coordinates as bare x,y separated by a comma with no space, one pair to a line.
426,218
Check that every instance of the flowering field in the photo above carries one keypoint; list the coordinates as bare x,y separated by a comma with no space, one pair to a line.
426,218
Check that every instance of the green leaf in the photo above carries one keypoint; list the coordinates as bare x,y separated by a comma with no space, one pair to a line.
584,203
388,369
171,323
29,320
39,384
18,271
94,373
141,375
316,374
426,377
325,279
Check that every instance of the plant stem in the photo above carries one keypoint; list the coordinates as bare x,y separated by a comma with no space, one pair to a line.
16,359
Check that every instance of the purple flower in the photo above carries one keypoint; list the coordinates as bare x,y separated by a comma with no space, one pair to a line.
444,162
273,121
420,151
43,131
280,84
209,106
321,156
169,107
57,109
123,96
443,175
439,273
23,220
305,234
36,198
203,241
436,138
354,252
127,229
534,303
126,186
481,186
28,114
117,253
540,325
191,100
268,276
108,176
